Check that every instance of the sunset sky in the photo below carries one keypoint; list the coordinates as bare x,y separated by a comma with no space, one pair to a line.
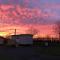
26,14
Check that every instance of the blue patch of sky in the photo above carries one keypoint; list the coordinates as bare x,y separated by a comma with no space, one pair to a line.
39,1
50,1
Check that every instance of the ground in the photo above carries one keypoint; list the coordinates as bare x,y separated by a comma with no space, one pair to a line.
30,53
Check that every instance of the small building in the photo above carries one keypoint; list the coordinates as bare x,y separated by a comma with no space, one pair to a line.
23,39
2,39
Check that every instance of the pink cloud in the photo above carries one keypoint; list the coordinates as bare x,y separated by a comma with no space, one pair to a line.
52,5
6,7
16,18
24,12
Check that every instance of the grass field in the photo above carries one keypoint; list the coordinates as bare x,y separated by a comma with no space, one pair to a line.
29,53
39,51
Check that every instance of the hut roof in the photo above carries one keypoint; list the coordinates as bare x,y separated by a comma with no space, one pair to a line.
23,35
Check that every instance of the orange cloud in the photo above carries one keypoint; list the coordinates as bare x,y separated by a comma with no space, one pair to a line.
22,29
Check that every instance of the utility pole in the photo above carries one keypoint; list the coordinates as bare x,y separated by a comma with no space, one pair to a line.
15,32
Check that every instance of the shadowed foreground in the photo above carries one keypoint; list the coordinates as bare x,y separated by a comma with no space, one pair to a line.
30,53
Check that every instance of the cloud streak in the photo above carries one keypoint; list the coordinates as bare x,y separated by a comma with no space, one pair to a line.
23,14
16,14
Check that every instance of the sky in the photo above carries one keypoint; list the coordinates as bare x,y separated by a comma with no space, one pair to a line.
23,15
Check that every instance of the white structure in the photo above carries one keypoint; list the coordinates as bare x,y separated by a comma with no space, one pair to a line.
23,39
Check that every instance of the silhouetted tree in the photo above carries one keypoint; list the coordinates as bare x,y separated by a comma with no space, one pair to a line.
57,28
32,31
